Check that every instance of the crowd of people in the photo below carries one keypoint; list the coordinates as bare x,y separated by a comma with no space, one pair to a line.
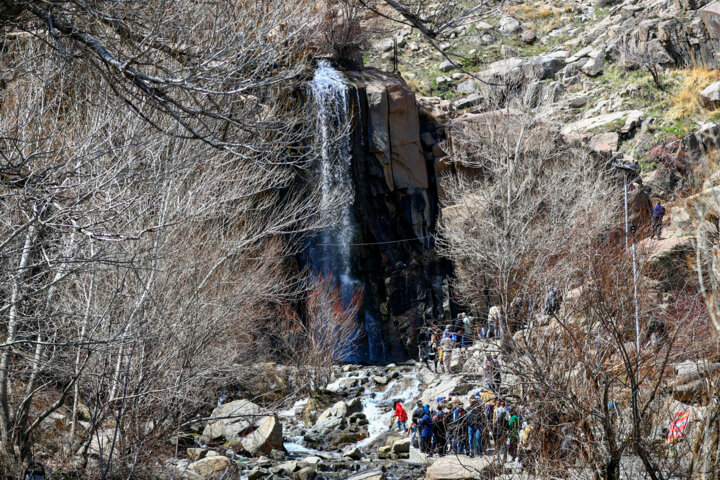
487,425
436,347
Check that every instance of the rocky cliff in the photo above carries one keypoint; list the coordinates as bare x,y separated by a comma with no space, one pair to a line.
396,207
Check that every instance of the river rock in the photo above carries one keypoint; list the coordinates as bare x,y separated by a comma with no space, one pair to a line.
243,423
210,467
257,473
341,409
401,446
443,388
461,467
374,474
306,473
353,452
195,454
319,401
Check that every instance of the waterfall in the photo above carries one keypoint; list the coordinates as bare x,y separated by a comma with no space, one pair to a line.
332,106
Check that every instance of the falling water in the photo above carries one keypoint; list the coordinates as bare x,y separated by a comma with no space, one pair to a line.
332,106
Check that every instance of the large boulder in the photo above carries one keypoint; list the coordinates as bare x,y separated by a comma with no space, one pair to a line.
508,25
461,467
246,425
318,402
710,96
341,409
210,467
595,65
693,381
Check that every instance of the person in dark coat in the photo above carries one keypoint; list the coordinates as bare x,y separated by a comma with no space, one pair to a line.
658,212
426,430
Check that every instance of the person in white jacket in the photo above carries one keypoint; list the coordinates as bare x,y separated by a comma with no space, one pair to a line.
447,344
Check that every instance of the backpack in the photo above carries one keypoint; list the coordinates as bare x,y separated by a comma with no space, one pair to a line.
34,471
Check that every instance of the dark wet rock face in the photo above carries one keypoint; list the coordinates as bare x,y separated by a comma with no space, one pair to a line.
395,211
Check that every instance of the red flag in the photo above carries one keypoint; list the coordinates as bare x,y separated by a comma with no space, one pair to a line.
677,427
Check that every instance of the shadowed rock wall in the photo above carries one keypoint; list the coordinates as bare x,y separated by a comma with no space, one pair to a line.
396,209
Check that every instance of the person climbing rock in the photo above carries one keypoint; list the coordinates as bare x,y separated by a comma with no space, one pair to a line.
658,212
401,416
447,344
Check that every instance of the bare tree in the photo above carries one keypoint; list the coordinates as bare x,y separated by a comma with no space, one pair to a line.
157,176
523,199
648,55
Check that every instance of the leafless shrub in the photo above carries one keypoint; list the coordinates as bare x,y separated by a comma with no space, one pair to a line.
155,165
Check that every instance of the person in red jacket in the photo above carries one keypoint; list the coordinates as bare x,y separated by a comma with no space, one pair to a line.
401,416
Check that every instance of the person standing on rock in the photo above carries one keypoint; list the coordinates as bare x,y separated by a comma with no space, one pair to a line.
474,428
658,212
493,377
422,345
401,416
514,426
439,431
494,323
414,429
447,344
426,430
435,352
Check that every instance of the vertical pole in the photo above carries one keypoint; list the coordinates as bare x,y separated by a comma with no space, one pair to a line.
635,274
637,307
627,225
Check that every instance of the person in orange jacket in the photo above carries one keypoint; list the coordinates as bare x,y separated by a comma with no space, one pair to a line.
401,416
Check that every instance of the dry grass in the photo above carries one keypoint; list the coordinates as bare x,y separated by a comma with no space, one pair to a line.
526,12
685,102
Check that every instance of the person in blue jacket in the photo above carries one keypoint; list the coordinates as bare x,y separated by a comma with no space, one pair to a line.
658,212
425,427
